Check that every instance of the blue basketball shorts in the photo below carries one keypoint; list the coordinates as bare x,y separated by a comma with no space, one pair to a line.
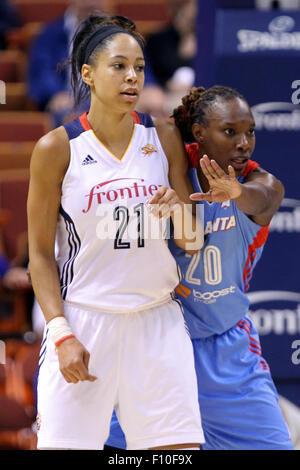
237,397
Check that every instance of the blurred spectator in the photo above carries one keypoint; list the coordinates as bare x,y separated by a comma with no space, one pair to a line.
13,275
8,20
282,4
48,87
170,53
153,100
4,265
174,46
16,278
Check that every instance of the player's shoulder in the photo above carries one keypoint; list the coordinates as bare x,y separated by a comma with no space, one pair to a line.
52,150
168,133
260,174
54,141
165,125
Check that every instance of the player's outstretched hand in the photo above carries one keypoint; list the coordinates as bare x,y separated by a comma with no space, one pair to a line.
74,361
164,201
222,186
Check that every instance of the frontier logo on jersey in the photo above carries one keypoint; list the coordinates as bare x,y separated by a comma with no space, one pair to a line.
89,160
116,190
148,149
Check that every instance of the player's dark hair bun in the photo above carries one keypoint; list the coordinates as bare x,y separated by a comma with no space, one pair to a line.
195,107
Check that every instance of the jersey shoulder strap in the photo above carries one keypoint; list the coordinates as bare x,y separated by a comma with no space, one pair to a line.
142,118
250,167
193,154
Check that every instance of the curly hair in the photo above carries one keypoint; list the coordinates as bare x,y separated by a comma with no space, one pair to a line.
196,105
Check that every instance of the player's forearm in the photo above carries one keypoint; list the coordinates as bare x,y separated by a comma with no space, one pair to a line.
188,228
255,198
46,285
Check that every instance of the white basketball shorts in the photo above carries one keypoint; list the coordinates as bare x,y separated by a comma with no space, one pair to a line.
145,368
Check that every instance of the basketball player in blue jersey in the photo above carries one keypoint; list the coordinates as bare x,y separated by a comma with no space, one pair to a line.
115,337
237,397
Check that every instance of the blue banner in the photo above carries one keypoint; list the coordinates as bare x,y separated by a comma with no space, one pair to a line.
256,32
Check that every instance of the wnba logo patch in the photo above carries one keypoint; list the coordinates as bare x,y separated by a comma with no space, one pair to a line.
148,149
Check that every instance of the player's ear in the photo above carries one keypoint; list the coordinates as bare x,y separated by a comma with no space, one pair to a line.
197,131
87,75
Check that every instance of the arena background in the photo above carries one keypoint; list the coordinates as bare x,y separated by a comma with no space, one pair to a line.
252,50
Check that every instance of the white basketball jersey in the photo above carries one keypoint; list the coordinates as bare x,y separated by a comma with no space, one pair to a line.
105,259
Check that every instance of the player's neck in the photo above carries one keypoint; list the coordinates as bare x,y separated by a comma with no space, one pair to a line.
204,184
202,181
110,127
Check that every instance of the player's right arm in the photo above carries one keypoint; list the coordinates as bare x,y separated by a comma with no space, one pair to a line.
49,162
48,165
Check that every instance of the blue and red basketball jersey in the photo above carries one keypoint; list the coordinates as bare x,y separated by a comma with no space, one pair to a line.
215,279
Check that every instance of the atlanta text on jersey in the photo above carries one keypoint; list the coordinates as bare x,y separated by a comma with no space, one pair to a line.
220,224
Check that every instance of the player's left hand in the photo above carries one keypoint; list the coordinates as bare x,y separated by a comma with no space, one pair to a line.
222,186
164,201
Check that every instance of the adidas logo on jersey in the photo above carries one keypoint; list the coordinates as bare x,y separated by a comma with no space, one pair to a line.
89,160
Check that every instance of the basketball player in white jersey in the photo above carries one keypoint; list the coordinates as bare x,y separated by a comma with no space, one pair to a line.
114,337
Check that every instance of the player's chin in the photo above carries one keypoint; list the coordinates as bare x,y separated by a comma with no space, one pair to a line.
238,165
128,102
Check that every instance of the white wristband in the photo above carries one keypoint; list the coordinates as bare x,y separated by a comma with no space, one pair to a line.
59,330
